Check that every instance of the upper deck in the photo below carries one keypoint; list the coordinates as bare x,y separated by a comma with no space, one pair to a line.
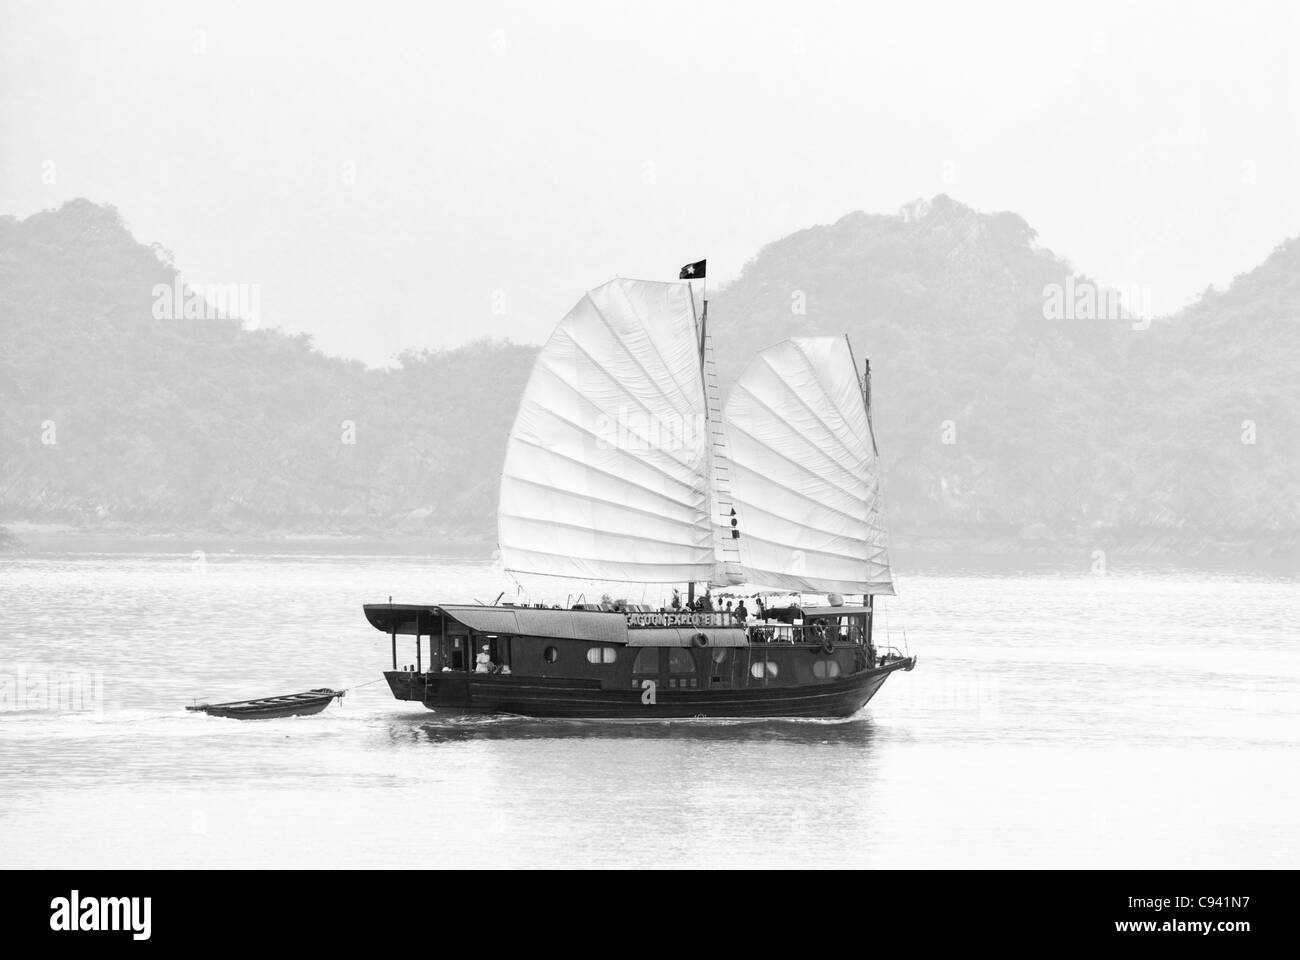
633,628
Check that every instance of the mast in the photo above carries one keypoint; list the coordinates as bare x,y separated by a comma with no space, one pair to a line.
866,399
704,333
866,392
868,600
704,384
704,317
701,327
726,523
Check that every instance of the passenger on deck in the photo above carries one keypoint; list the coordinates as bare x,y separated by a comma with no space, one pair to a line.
484,660
741,613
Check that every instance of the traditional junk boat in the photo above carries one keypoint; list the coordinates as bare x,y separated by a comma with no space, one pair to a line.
623,467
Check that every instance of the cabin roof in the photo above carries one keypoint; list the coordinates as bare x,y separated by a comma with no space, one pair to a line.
599,627
404,618
591,625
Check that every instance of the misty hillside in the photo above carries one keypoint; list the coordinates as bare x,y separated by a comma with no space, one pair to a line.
112,417
1065,422
199,423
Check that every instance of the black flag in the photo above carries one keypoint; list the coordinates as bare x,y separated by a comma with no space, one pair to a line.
693,271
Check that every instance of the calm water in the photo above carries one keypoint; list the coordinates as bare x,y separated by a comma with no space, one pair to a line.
1117,721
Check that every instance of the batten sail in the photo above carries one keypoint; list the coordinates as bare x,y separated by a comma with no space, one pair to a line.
805,475
606,473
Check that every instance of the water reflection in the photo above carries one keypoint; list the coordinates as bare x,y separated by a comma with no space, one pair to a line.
857,731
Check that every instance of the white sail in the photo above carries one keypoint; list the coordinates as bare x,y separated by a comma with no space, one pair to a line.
805,476
606,472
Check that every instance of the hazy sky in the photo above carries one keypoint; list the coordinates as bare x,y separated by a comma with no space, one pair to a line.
398,175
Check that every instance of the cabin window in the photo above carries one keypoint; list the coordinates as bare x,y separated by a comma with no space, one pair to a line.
680,660
647,660
602,655
826,669
762,668
550,655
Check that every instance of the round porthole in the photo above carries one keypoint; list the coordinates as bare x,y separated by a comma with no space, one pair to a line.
551,654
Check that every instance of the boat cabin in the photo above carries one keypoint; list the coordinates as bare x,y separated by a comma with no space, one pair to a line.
662,651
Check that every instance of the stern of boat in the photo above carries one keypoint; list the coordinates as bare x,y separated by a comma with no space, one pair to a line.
406,684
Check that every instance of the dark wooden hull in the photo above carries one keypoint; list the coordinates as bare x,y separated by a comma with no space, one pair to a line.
271,708
460,692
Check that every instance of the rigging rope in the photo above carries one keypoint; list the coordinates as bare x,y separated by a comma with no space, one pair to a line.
350,687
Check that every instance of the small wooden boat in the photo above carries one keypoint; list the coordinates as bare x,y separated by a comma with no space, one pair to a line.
269,708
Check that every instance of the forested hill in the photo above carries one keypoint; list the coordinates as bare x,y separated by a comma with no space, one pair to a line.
1057,423
183,424
997,417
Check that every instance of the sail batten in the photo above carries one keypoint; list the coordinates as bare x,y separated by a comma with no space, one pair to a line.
559,489
622,535
858,485
595,365
668,475
648,377
766,519
606,474
806,481
840,429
